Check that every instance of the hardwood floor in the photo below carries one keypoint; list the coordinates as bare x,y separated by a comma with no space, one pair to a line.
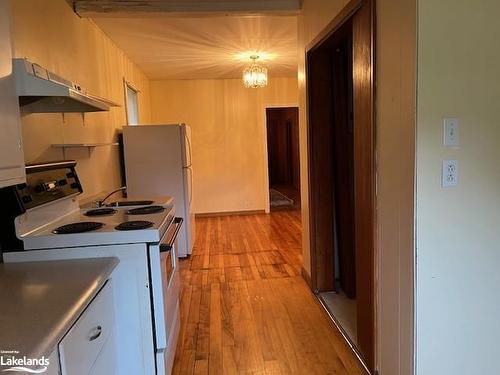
245,308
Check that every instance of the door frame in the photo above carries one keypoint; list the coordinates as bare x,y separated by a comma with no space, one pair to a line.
266,154
362,15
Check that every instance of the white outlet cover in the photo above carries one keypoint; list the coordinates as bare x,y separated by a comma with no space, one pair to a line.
450,173
451,136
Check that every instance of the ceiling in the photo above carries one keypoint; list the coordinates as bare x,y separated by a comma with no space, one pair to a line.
205,46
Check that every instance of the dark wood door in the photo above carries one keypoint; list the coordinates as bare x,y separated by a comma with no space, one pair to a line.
364,176
283,146
321,181
326,193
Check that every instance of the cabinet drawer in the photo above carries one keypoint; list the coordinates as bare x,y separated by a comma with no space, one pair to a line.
81,345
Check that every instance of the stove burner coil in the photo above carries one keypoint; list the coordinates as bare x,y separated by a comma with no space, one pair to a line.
134,225
84,226
146,210
100,212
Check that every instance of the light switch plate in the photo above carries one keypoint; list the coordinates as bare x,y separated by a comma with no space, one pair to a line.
451,136
450,173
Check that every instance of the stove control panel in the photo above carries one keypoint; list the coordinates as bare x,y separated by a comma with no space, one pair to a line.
48,182
45,183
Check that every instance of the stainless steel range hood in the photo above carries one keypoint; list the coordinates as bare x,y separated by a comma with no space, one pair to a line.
41,91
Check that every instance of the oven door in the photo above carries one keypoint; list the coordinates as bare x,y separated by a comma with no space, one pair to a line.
165,284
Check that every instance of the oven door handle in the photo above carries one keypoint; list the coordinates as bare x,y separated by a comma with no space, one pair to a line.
164,247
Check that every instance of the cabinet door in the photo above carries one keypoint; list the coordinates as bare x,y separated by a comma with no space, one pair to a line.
84,342
11,150
105,363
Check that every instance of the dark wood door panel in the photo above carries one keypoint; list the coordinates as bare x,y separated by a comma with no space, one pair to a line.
364,177
343,168
321,183
341,195
283,146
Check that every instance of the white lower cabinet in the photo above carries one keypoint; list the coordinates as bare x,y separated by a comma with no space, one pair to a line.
89,347
105,363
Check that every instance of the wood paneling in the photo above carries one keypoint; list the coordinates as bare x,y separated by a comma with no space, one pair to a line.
228,132
86,55
246,309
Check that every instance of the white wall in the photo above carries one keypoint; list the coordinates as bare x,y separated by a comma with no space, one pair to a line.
228,136
458,233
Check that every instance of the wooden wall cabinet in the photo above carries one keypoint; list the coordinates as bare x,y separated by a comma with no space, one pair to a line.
11,148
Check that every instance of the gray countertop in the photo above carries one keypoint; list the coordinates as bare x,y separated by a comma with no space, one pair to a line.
40,301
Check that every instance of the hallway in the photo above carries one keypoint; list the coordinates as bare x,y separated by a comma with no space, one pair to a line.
245,309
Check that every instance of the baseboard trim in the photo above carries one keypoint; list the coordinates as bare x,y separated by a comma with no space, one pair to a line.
230,213
306,277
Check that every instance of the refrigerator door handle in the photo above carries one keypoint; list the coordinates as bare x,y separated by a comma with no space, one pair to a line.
190,186
188,142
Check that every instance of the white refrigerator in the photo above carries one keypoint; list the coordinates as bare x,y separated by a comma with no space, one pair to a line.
158,163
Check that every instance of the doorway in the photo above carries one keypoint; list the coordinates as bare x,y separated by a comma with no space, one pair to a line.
282,126
341,300
342,174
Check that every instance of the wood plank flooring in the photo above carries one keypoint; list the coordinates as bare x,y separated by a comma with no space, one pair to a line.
245,309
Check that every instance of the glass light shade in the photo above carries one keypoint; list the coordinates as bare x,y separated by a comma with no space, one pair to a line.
255,76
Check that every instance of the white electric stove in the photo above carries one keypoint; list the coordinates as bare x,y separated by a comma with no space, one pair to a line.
140,232
100,226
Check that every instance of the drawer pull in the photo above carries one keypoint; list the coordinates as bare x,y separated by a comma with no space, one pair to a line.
96,333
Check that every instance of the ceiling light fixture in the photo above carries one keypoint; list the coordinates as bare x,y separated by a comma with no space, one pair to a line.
255,75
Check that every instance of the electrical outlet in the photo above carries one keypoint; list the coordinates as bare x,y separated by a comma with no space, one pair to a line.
451,136
450,173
